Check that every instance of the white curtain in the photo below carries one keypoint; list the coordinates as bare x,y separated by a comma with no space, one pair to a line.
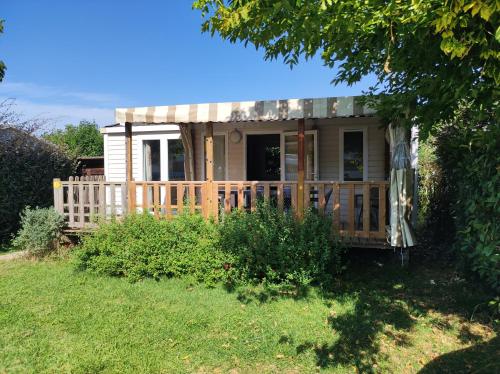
148,167
187,143
401,189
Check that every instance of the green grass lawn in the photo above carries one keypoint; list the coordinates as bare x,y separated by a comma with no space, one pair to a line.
378,319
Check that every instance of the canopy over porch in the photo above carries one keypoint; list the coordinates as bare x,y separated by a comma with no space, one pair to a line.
242,111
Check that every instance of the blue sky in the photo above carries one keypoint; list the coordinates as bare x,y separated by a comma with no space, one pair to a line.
73,60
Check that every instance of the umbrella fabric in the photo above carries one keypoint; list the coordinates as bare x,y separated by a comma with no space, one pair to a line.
401,191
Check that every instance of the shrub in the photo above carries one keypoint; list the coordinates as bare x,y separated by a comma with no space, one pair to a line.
274,247
141,246
467,197
263,246
40,231
27,167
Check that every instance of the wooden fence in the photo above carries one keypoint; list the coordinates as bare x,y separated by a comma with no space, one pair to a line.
358,209
85,200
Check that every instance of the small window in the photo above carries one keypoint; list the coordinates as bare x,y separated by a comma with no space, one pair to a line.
291,157
152,160
175,160
353,156
219,157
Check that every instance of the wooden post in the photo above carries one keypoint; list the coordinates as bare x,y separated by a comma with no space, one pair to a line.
58,195
209,166
128,166
300,167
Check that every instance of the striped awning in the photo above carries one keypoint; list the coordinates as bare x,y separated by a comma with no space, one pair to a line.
241,111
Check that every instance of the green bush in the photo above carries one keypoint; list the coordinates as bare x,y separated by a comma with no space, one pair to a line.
141,246
27,166
274,247
264,246
40,231
466,197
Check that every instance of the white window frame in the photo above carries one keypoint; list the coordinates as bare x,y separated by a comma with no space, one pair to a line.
163,138
202,147
260,132
282,153
282,135
364,130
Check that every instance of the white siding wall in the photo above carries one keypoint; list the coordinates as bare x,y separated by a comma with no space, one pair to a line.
328,147
115,157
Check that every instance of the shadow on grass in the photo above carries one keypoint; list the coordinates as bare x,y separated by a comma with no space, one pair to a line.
381,303
376,308
480,358
267,293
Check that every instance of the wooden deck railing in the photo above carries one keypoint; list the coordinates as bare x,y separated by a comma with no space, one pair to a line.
358,209
83,201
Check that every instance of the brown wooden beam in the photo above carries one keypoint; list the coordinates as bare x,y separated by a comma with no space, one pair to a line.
300,167
209,166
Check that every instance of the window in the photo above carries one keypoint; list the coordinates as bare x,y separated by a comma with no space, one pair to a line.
152,160
353,155
219,156
175,160
291,158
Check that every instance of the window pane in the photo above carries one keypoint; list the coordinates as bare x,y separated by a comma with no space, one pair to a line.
291,150
291,159
219,157
175,160
152,166
353,156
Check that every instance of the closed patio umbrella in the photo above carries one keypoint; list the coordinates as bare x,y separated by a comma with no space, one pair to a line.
401,189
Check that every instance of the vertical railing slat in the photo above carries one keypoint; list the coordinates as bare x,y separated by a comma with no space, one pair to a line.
266,192
112,187
381,210
156,200
102,200
240,196
168,200
366,210
215,200
192,198
307,196
145,198
124,192
253,197
321,198
180,198
81,208
71,204
336,206
350,208
91,202
227,197
294,198
280,196
204,200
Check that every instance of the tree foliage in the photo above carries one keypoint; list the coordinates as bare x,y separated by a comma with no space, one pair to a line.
2,65
27,166
426,54
78,141
464,192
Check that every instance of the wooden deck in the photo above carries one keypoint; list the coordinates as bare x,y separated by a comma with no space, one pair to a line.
358,209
